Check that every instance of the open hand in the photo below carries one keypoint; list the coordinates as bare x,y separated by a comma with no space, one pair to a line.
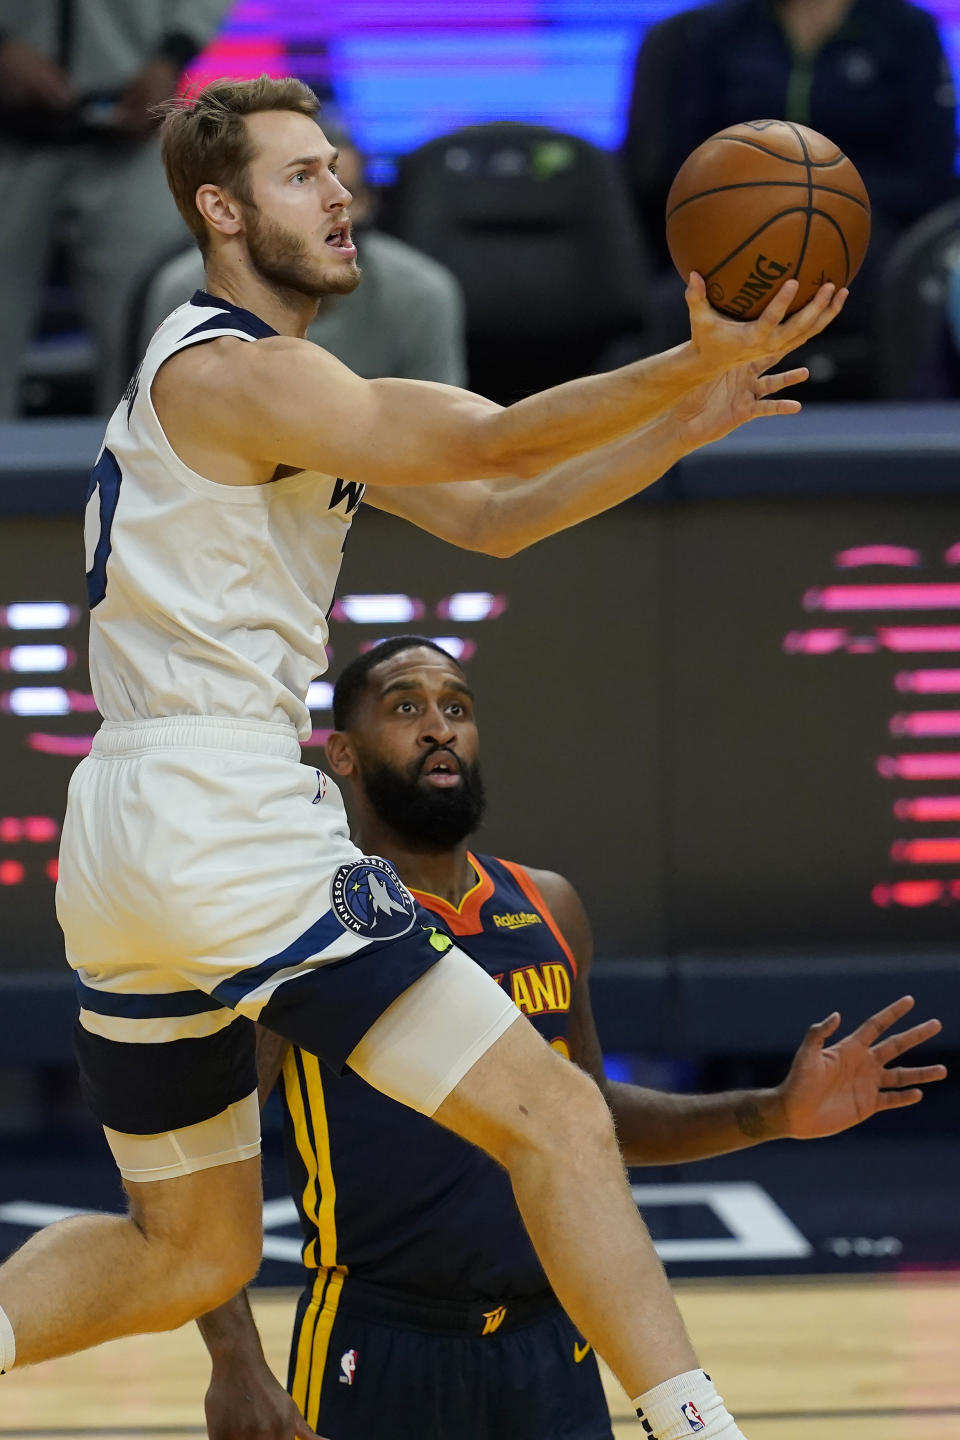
722,343
246,1404
740,394
830,1089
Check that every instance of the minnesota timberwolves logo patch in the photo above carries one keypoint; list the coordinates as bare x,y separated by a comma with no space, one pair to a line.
369,899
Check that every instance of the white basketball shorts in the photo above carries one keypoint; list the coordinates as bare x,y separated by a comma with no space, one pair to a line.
207,880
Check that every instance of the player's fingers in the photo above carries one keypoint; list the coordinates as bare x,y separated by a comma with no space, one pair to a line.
696,293
829,315
896,1045
896,1099
819,1033
903,1075
778,305
762,409
873,1027
802,325
770,384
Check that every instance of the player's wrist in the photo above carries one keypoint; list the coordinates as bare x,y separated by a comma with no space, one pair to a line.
684,1406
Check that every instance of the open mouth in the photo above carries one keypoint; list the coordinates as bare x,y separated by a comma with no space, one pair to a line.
441,770
339,240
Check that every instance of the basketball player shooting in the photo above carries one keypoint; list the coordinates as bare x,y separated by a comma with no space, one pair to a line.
207,879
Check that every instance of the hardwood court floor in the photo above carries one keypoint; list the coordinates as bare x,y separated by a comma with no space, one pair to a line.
796,1360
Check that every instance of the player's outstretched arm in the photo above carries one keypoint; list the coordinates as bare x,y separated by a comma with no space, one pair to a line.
285,402
501,517
828,1088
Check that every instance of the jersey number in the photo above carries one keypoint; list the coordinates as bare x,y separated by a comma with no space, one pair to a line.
105,485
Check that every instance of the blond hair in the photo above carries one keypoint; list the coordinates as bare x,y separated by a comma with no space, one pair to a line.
204,140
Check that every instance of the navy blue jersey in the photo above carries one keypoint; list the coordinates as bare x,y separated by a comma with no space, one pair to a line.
385,1193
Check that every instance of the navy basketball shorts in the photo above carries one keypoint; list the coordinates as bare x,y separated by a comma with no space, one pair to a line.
366,1364
207,880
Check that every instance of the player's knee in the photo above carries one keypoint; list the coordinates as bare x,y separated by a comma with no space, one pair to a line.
204,1259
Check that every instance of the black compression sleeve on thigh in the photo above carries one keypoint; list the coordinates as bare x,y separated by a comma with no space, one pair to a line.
147,1089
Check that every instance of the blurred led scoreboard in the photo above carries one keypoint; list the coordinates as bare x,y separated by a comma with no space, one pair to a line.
732,723
401,73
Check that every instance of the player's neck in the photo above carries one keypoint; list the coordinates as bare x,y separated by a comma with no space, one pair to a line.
447,873
285,311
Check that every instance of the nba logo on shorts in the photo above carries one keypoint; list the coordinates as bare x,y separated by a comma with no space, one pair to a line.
693,1415
348,1367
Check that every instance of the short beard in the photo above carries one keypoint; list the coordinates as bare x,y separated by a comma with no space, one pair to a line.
280,258
426,818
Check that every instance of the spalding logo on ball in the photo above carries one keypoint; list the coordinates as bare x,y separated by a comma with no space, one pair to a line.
765,202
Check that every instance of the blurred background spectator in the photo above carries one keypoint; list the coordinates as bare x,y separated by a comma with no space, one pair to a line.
870,74
79,162
405,320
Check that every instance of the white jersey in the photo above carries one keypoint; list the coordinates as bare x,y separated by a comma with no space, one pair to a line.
205,599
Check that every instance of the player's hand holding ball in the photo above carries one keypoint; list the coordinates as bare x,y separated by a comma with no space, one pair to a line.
768,222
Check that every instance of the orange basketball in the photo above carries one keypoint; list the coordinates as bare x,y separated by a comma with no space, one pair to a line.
765,202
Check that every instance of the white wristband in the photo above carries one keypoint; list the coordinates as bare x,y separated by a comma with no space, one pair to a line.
685,1406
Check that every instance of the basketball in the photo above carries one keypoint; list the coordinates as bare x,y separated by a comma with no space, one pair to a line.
764,202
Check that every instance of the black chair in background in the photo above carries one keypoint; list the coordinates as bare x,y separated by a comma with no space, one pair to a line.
539,230
915,357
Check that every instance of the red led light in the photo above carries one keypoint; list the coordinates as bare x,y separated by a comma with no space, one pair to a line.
913,894
52,869
73,745
35,829
926,852
928,807
11,872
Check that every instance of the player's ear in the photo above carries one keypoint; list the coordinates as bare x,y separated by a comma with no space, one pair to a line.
221,212
340,753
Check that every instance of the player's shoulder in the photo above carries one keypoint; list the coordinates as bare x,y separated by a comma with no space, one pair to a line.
559,895
228,368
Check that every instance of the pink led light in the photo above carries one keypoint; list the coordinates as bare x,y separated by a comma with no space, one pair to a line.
883,597
11,872
919,767
952,556
317,738
928,807
926,852
877,555
239,58
60,744
926,722
919,638
34,829
913,894
928,682
814,642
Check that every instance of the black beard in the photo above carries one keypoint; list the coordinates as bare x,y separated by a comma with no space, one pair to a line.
279,258
424,817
